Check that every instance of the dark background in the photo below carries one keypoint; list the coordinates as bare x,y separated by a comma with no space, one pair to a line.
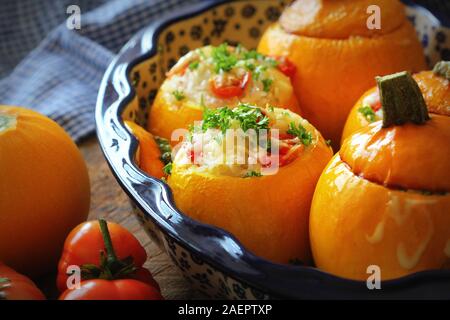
441,8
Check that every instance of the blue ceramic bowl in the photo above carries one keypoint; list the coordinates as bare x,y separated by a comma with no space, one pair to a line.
213,260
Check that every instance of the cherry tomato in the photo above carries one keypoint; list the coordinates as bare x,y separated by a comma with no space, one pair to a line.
110,252
14,286
374,101
122,289
286,66
285,136
192,156
235,89
376,106
284,149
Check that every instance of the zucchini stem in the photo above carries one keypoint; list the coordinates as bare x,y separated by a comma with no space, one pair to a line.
401,100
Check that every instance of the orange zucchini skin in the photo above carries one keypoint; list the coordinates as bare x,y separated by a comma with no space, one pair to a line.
337,59
435,90
44,190
148,155
371,219
268,214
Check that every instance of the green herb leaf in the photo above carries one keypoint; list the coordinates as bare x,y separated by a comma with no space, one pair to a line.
223,59
217,119
250,66
253,54
249,117
267,83
179,95
367,112
272,62
168,168
258,71
252,174
300,132
165,148
194,65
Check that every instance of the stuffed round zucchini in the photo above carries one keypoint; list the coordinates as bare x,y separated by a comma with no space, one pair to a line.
390,189
217,76
337,55
261,195
435,87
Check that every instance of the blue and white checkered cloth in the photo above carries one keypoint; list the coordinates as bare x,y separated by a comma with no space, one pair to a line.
60,74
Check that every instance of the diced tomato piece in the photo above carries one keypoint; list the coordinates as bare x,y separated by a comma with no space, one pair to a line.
286,66
284,161
284,149
377,106
285,136
235,89
194,156
373,100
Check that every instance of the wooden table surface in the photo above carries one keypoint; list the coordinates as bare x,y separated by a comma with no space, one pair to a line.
108,201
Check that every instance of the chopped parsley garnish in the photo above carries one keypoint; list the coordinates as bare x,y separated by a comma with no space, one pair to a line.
194,65
253,54
300,132
258,71
217,119
165,148
250,66
328,142
267,83
368,113
249,117
168,168
272,62
223,59
252,174
179,95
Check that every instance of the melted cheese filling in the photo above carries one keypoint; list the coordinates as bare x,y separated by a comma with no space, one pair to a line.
213,154
195,84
